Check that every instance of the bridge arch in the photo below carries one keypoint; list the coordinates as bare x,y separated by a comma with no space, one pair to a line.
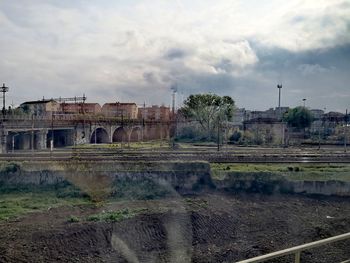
19,140
135,134
100,135
119,135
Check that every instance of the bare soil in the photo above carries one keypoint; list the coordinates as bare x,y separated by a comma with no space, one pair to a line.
208,227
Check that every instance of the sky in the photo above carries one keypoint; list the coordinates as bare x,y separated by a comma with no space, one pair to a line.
136,51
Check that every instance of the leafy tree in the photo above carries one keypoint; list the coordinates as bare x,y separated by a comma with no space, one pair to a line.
299,117
209,110
25,108
235,137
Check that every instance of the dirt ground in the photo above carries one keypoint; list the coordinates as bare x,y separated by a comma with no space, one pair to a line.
207,227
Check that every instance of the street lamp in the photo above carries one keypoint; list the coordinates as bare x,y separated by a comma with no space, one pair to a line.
4,89
345,128
324,123
279,86
304,102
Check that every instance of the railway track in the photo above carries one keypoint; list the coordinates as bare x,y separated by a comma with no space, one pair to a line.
266,155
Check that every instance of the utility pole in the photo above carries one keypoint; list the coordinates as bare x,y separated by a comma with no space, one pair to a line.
174,89
83,112
52,134
324,124
32,134
279,86
218,139
345,128
4,89
319,137
143,120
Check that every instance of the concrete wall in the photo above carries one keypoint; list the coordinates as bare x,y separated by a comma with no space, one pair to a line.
108,176
86,175
270,183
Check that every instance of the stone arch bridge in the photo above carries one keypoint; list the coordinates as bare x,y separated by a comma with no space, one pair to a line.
38,133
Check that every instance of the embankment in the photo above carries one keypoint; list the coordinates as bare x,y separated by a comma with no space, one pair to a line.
104,179
269,183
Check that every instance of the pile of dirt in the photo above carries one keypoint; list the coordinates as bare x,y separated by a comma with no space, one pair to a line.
211,227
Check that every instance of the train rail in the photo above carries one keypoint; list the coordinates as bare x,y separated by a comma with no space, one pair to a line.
230,156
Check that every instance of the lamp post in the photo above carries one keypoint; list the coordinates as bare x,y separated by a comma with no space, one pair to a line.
304,102
52,134
218,139
4,89
324,124
345,128
319,136
279,87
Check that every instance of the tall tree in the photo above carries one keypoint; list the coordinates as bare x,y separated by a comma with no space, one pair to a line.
299,117
209,110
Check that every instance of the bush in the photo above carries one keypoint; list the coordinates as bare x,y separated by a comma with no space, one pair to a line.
11,168
141,189
114,216
73,219
235,137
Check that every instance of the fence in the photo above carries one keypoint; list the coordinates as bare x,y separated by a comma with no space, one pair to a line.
296,251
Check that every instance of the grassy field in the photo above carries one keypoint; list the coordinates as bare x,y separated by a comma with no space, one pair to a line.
155,144
116,216
16,204
308,172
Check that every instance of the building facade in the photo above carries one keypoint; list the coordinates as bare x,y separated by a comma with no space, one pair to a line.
40,107
156,113
80,108
120,110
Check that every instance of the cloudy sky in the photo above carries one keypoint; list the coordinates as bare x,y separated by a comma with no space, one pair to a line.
129,50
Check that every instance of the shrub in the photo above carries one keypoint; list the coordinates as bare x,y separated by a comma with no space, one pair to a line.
11,168
236,136
114,216
73,219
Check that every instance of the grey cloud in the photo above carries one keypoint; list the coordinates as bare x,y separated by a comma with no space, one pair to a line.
297,19
310,69
149,77
225,65
175,53
315,74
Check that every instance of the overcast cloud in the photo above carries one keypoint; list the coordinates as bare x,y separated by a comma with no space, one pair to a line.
132,50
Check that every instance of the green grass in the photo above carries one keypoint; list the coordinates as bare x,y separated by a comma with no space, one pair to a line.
196,203
150,144
115,216
308,172
73,219
143,189
320,176
17,204
154,144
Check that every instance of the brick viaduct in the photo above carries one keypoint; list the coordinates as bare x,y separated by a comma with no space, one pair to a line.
36,133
